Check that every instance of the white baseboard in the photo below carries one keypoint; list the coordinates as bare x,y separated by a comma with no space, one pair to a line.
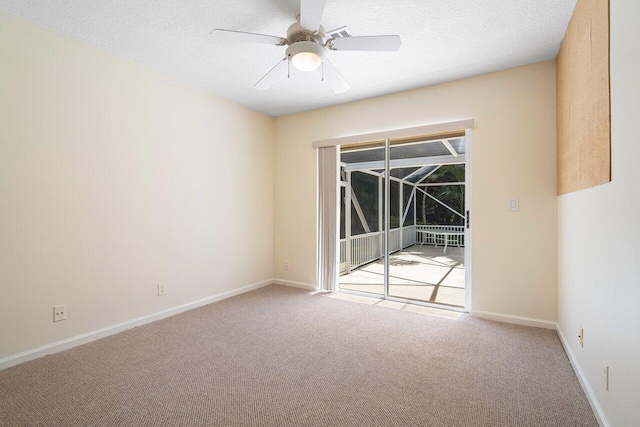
517,320
68,343
295,284
591,397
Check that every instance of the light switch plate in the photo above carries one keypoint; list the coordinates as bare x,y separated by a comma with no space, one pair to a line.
514,204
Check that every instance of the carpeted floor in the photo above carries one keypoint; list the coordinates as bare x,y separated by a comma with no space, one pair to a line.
280,356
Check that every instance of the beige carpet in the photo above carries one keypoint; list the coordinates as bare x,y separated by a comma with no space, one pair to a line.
282,357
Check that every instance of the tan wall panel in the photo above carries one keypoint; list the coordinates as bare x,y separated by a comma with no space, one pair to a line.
583,106
513,155
114,178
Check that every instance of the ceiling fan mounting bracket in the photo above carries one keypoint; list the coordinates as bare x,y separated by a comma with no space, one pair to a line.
329,44
296,34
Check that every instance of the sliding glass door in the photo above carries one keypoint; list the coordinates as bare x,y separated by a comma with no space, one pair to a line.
417,191
362,218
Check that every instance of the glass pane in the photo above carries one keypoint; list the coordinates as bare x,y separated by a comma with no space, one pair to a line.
424,149
365,188
447,173
426,236
420,268
408,201
351,156
363,269
458,145
421,173
394,209
403,172
434,213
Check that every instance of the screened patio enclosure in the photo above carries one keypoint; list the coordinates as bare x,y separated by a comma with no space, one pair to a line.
426,216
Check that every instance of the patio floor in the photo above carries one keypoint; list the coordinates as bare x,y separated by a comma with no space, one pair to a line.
417,273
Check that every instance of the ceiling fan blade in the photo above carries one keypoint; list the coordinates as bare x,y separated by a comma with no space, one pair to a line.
331,75
278,72
239,36
368,43
311,14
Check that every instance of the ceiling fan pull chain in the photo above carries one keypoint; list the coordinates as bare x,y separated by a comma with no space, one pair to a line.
288,69
322,72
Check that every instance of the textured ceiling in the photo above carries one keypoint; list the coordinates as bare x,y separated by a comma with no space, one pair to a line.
443,40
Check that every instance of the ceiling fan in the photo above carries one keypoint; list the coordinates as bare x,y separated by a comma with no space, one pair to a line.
308,47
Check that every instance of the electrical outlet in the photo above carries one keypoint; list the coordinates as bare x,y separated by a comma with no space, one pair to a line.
581,337
286,265
59,312
605,375
161,289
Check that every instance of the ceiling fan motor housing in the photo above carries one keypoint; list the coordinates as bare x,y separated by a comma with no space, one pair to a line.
296,34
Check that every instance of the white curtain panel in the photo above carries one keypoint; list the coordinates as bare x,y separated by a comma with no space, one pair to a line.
328,218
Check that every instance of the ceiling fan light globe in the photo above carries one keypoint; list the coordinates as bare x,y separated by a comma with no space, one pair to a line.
306,55
306,61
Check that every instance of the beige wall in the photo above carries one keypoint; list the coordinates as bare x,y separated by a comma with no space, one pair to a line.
114,178
599,244
514,254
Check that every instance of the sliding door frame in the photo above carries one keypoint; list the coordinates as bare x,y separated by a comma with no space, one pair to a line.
467,223
467,236
467,125
387,214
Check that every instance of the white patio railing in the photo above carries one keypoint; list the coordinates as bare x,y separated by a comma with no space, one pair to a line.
343,255
439,240
409,236
366,248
